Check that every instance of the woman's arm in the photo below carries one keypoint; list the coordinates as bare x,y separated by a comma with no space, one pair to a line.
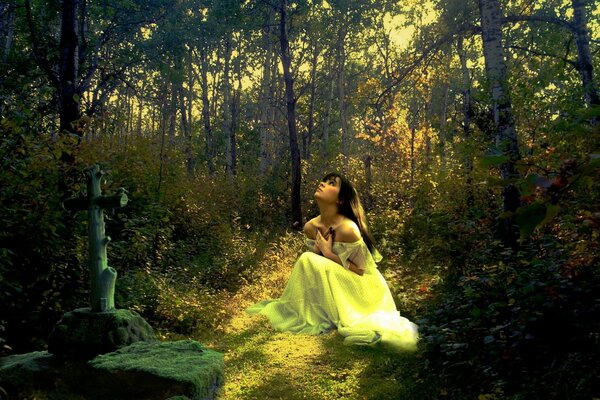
351,266
348,232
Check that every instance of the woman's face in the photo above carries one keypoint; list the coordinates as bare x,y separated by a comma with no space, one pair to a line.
328,190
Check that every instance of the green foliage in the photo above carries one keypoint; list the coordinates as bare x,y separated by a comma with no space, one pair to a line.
175,250
515,324
40,271
519,324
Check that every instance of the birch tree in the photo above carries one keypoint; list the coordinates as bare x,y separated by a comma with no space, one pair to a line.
505,130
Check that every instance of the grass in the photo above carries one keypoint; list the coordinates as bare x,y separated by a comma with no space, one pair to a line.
261,363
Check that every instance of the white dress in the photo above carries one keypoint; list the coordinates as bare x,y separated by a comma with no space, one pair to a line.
322,295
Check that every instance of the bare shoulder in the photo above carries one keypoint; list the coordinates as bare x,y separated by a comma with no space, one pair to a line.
347,232
309,228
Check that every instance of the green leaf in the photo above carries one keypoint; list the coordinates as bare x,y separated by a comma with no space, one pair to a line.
590,112
492,160
529,217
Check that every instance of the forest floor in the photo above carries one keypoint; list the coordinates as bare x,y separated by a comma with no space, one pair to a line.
261,363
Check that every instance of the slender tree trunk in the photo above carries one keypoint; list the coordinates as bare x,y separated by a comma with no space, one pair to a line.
7,27
311,107
275,123
368,180
83,29
466,90
428,152
206,112
584,56
173,106
265,103
235,116
164,107
442,133
291,114
413,133
342,91
327,121
187,109
505,135
215,92
186,131
227,127
467,114
153,120
129,103
68,66
139,116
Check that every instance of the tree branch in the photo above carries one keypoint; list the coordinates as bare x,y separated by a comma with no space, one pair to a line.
539,18
432,49
544,54
39,56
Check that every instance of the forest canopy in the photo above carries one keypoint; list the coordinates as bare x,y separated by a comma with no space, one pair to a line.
470,128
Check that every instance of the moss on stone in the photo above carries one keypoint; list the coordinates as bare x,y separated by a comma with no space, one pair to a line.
83,334
185,361
30,361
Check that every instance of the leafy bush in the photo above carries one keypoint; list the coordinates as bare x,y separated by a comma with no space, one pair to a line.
41,268
519,323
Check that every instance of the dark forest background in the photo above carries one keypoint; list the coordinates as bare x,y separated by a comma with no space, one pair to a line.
470,128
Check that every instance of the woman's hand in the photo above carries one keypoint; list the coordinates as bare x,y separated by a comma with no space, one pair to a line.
323,244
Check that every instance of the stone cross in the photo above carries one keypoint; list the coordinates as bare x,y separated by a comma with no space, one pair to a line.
102,276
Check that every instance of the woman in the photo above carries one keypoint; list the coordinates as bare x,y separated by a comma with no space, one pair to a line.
336,284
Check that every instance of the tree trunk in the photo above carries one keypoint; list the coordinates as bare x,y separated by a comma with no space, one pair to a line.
368,180
291,115
414,115
227,128
186,131
129,104
7,27
311,106
467,113
584,57
206,112
173,106
442,134
235,115
68,67
140,113
265,89
163,108
341,48
327,121
275,123
183,100
505,132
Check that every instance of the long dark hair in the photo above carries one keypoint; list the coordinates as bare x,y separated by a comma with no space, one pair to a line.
352,208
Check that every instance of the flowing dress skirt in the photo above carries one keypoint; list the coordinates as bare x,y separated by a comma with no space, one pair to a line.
321,295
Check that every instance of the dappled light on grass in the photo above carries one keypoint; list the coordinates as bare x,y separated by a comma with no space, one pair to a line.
261,363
